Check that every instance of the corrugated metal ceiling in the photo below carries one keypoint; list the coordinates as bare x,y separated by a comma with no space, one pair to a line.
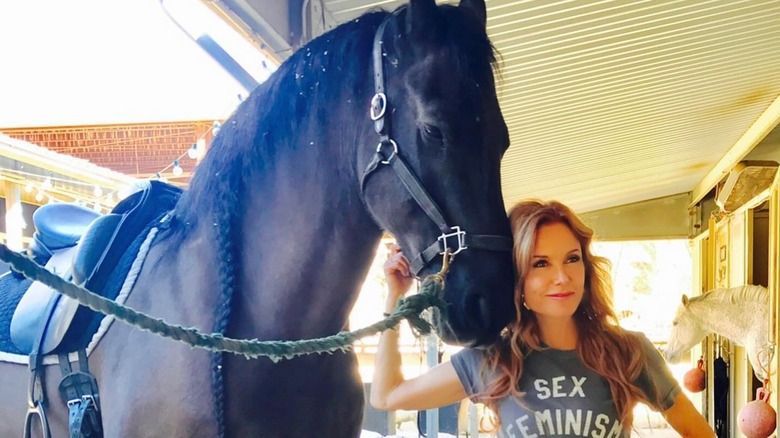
615,102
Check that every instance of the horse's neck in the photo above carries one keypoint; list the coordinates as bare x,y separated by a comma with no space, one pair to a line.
303,237
306,246
733,321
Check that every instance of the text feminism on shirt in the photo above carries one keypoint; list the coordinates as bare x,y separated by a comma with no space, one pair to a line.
567,422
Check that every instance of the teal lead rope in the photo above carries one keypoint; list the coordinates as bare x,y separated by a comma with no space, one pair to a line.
410,308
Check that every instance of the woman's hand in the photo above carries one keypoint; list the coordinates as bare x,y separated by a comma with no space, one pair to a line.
440,386
399,277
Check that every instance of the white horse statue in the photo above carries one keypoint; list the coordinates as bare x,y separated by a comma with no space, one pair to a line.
740,314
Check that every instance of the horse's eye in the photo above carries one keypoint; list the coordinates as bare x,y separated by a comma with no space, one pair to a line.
432,132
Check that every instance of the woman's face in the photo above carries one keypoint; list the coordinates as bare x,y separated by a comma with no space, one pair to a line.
555,281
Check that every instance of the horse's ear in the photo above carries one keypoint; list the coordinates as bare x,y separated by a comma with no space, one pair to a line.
685,300
420,18
477,9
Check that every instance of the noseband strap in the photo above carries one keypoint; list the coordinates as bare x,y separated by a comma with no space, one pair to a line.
453,238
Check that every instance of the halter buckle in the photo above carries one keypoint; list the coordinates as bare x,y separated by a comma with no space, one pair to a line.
378,106
461,241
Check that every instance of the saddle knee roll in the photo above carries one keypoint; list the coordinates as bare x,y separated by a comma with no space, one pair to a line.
42,306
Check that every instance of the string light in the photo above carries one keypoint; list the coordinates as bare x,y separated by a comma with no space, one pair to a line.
195,151
177,170
192,152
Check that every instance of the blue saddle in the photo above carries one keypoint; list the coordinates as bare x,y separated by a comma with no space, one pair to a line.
58,226
91,250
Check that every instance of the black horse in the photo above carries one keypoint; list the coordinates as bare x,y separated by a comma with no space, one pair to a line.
277,231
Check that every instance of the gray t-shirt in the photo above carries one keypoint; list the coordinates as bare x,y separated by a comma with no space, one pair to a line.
563,398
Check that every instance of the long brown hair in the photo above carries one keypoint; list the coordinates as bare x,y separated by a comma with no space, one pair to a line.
602,347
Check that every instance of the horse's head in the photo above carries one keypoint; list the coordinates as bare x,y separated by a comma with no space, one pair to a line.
441,122
686,332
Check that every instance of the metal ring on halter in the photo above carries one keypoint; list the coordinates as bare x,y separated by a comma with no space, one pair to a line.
378,106
395,149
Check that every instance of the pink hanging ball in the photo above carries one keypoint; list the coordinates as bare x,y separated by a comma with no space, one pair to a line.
757,419
693,380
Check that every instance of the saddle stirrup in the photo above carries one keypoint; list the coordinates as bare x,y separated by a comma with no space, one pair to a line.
36,403
36,396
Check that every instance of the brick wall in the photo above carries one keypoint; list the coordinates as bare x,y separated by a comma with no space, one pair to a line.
139,150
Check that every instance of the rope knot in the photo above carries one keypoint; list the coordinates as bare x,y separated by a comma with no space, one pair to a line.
430,295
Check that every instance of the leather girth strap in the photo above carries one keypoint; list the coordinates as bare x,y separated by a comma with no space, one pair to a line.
79,391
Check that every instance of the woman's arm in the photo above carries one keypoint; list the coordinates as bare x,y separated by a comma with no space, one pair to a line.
658,381
389,391
686,420
438,387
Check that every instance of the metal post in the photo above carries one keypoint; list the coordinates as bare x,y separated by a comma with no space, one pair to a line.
473,421
432,359
14,220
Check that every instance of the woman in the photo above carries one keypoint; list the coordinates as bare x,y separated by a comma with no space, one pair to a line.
563,367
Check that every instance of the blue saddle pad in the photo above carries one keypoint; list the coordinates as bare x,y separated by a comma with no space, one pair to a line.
12,287
147,209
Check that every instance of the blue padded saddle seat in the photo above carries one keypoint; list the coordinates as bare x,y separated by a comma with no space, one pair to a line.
58,226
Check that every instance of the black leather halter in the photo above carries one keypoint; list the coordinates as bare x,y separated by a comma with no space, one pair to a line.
453,238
